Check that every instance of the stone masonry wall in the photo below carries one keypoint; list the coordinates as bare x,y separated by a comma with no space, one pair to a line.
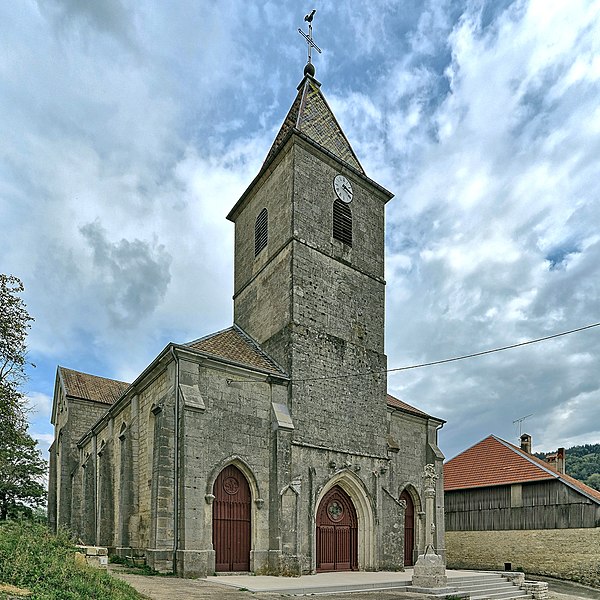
338,310
235,427
74,420
313,211
572,554
415,437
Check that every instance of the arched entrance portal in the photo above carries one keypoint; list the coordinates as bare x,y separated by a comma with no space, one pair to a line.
409,528
231,521
337,532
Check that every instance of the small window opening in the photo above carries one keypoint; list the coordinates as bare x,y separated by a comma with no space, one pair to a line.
342,222
261,231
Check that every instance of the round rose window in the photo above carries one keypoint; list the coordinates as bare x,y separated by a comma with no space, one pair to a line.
231,485
335,510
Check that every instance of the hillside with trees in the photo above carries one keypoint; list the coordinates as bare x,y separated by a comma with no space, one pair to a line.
583,463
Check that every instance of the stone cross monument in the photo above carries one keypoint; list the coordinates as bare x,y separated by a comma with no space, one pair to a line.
429,571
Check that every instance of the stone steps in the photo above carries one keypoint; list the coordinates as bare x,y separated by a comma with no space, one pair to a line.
484,587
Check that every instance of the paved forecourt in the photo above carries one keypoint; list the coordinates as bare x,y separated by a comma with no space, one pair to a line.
322,583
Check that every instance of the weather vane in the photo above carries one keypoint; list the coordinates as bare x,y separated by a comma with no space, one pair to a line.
309,39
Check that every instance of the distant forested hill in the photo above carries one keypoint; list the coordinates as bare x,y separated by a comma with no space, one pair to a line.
583,463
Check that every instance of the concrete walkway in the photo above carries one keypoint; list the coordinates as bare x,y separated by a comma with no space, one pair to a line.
317,584
326,582
373,585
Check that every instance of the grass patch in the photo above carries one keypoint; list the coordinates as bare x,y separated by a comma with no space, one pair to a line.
145,570
34,559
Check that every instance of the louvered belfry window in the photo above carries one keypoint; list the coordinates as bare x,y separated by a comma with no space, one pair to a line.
261,231
342,222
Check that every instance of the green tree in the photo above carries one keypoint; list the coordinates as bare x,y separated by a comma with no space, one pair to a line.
14,325
21,464
21,471
594,481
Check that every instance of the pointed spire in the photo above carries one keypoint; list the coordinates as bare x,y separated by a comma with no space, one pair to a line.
310,115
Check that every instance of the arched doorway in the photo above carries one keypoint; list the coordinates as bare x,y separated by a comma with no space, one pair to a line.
337,532
231,521
409,528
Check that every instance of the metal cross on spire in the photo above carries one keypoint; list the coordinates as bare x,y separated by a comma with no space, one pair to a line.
309,39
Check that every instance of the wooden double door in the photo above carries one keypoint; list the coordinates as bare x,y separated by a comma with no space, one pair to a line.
337,532
231,521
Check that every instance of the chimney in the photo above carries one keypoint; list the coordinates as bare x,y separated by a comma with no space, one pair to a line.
561,463
526,443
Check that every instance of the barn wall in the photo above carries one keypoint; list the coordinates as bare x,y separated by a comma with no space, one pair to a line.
541,505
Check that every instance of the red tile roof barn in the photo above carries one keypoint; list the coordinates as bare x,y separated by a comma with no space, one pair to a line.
494,461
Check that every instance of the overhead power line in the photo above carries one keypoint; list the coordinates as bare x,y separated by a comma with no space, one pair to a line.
449,360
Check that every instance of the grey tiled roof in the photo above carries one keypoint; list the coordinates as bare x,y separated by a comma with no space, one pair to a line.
310,114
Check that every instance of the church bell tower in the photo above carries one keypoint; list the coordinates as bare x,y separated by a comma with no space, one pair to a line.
309,275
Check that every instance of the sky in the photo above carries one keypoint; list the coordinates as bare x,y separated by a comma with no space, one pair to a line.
129,128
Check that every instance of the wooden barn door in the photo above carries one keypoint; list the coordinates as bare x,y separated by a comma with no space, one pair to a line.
337,532
409,529
231,521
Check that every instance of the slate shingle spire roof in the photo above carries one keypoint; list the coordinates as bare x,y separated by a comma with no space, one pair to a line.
494,461
310,115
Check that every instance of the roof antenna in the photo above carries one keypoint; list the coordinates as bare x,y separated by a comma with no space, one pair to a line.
520,422
309,69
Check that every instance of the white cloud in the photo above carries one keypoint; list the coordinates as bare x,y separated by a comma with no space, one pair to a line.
128,134
40,404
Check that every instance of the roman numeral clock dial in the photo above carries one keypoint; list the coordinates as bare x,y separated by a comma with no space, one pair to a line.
343,188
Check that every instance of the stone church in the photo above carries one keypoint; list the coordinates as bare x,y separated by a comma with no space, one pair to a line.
271,446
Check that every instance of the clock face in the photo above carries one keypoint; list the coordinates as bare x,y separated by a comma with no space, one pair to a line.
342,188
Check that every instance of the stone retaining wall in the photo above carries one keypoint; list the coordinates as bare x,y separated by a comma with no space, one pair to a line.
537,589
572,554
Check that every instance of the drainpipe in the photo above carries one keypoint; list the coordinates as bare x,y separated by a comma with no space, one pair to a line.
95,488
176,466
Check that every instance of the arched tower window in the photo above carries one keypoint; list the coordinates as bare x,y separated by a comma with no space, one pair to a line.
342,222
261,231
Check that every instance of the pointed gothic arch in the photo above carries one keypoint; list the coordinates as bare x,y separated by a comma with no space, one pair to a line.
412,523
231,520
243,466
337,532
356,490
255,500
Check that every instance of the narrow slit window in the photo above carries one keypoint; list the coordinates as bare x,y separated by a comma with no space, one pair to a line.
261,231
342,222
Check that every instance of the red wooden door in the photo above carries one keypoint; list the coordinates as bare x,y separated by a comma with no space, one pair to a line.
409,529
231,521
337,532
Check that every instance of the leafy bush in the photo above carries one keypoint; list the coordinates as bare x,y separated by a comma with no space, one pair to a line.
31,557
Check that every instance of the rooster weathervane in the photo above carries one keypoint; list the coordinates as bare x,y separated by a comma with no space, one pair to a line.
309,39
